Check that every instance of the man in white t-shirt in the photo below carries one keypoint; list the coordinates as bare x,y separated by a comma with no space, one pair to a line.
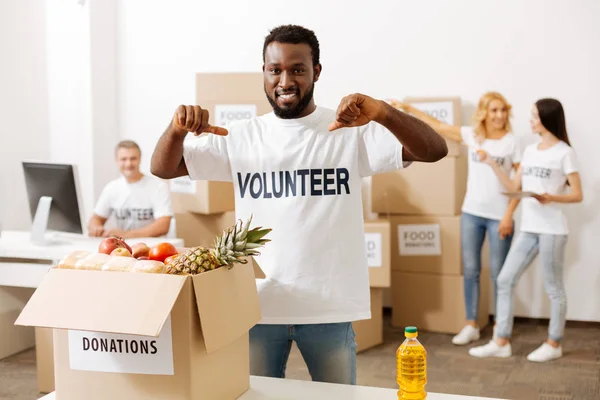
140,204
298,170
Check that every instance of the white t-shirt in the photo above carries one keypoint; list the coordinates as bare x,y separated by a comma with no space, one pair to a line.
484,196
546,171
304,182
135,205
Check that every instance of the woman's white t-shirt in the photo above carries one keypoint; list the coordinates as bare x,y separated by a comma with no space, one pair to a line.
546,171
304,182
484,196
135,205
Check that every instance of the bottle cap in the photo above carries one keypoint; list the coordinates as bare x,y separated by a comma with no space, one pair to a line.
410,331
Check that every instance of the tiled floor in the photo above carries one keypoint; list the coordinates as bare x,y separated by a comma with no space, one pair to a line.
451,370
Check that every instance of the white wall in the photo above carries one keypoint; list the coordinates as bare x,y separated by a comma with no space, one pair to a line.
385,49
82,85
23,103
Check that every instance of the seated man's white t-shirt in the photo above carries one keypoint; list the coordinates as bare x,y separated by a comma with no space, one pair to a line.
304,182
135,205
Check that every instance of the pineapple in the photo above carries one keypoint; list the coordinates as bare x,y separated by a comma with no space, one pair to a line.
229,248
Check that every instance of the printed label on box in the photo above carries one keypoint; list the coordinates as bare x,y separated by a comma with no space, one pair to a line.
183,184
129,354
232,112
441,110
420,240
374,251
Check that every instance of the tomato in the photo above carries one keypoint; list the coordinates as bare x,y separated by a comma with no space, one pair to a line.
170,258
161,251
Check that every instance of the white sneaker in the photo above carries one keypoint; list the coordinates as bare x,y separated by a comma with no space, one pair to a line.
492,349
545,353
467,335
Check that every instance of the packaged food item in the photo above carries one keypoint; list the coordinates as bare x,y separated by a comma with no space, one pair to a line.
119,264
149,266
93,262
69,261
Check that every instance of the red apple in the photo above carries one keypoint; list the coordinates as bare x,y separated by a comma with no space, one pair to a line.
140,250
111,243
120,251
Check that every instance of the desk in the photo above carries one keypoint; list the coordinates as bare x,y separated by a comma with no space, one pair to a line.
288,389
23,264
22,268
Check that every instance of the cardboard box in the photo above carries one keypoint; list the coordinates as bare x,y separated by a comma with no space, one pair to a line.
435,303
445,109
202,197
13,339
377,240
227,97
429,244
44,358
148,336
422,189
201,230
369,332
426,244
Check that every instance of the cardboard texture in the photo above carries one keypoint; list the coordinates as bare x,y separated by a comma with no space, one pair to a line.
369,332
446,109
209,314
377,240
13,341
203,197
447,263
44,358
201,230
415,230
435,303
422,189
226,96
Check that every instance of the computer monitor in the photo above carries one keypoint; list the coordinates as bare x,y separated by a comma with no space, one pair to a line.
54,199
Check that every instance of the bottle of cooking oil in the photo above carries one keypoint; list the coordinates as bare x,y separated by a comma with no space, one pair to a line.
411,367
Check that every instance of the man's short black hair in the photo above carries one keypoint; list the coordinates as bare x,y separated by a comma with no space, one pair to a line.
294,34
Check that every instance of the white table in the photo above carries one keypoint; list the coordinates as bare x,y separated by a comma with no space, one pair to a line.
23,265
288,389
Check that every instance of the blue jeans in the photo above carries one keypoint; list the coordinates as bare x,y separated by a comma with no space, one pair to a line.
329,350
551,249
473,231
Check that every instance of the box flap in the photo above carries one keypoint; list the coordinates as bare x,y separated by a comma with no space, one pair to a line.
100,301
227,302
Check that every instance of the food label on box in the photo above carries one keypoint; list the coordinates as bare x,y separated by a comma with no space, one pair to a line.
420,240
374,251
441,110
183,184
225,113
128,354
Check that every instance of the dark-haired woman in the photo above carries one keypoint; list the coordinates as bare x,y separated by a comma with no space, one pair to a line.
548,169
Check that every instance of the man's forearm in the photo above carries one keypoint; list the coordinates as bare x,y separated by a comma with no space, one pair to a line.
167,159
419,140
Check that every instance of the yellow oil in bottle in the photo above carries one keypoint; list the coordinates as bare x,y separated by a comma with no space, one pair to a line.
411,367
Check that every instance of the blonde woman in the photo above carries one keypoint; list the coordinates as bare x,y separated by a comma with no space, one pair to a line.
493,154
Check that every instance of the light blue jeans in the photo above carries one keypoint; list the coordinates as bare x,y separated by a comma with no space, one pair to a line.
473,231
329,350
551,249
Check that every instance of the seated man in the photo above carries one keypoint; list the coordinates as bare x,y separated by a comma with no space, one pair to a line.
140,203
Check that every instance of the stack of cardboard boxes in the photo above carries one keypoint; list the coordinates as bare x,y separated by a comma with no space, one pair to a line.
423,205
369,333
203,209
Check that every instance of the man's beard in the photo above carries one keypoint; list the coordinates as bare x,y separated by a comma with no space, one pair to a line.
294,112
